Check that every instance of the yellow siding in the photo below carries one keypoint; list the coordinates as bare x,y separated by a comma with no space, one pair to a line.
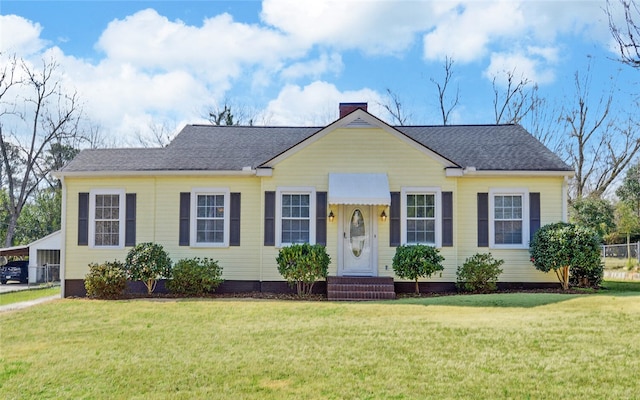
345,150
157,220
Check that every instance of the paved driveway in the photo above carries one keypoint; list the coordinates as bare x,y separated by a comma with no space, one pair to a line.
13,287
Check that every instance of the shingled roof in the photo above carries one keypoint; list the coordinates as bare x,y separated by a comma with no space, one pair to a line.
233,148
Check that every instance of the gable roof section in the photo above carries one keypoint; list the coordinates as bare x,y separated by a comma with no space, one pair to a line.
211,149
359,119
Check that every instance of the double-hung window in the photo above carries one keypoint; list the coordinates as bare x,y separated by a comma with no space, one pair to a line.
210,217
421,216
295,215
106,218
509,218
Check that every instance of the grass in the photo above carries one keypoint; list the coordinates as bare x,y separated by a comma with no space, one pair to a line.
498,346
26,295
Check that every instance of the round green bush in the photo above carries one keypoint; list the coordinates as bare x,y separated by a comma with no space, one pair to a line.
571,251
195,277
302,265
106,281
416,261
479,273
148,262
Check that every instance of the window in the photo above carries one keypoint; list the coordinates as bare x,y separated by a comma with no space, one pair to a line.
295,210
210,217
421,216
508,218
106,215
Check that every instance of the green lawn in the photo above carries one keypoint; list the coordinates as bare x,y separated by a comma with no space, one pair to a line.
498,346
26,295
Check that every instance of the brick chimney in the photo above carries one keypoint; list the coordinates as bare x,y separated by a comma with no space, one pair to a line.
346,108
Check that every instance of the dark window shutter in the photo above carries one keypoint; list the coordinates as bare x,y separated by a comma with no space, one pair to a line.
483,219
185,211
234,223
321,218
269,218
534,214
130,220
394,220
447,219
83,219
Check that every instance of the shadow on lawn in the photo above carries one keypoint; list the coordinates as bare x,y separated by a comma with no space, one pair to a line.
519,299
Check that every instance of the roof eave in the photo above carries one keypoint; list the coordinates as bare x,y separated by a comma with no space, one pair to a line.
471,172
247,171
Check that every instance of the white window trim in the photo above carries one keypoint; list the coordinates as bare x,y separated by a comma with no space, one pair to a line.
525,217
204,191
403,212
311,191
92,217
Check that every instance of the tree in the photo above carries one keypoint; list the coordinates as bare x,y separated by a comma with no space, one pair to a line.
35,111
394,108
231,114
566,248
599,147
302,265
446,104
595,213
518,99
416,261
40,216
148,262
626,34
629,190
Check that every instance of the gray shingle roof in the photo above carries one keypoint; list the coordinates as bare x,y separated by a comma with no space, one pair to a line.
231,148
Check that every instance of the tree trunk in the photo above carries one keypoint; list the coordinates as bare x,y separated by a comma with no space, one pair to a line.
417,287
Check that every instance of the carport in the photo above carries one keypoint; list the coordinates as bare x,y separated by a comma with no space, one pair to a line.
44,257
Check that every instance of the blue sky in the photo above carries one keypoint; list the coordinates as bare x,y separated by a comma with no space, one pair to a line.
138,64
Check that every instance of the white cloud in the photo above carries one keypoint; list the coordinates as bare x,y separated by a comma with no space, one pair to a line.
19,35
532,65
375,27
314,68
465,32
316,104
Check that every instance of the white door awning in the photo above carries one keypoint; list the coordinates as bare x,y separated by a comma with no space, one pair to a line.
365,189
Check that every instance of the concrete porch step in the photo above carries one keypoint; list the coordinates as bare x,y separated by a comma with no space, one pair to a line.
351,288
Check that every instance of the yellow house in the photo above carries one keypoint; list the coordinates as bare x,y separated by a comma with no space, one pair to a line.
359,186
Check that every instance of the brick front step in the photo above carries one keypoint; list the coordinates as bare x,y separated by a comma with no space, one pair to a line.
360,288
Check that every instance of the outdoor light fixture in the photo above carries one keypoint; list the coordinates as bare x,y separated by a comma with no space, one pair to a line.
331,216
383,216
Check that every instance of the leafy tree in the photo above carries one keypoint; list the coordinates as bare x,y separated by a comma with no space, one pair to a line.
40,216
595,213
417,261
629,191
148,262
302,265
565,248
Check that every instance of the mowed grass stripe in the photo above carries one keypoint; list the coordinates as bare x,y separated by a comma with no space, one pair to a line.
486,346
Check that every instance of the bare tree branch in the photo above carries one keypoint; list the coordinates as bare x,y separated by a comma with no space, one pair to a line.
394,108
627,34
446,106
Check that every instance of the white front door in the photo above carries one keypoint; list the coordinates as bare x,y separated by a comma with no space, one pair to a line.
358,241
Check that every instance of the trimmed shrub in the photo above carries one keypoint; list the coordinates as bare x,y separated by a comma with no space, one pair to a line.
148,262
106,281
479,273
417,261
302,265
568,250
195,277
